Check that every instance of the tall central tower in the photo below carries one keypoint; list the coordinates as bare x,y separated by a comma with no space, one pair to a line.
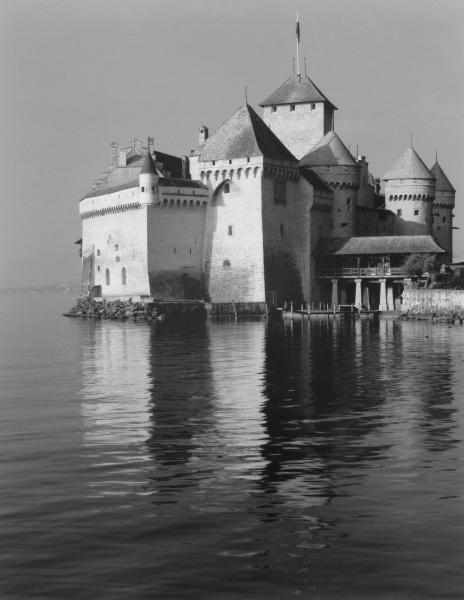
299,114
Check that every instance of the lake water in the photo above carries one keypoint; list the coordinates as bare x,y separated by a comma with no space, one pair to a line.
229,460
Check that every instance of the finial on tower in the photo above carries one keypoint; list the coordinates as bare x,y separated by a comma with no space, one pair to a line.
304,60
246,95
297,44
411,141
436,155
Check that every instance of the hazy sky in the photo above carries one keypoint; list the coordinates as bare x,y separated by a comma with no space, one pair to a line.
76,75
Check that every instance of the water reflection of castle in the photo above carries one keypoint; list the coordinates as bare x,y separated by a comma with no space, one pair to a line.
228,411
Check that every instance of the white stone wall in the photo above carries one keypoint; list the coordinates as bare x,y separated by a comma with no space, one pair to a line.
413,197
234,264
301,128
118,240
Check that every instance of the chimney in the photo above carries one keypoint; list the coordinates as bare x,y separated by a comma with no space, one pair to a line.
151,144
204,134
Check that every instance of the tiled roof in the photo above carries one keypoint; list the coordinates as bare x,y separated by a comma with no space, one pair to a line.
244,134
314,179
297,89
190,183
390,244
163,182
330,150
148,165
408,166
443,183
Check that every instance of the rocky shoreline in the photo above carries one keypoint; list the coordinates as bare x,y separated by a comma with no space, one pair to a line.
137,311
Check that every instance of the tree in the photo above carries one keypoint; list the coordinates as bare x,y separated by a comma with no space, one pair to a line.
416,264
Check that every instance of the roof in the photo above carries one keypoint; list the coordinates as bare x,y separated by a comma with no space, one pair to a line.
162,182
148,166
298,89
390,244
244,134
409,166
314,179
443,183
330,150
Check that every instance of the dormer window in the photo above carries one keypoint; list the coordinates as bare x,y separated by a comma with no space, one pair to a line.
292,107
274,108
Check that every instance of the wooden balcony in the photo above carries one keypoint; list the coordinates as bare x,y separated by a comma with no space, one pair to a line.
362,272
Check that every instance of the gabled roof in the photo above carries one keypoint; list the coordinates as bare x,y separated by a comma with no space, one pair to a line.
298,89
409,166
330,150
244,134
148,166
443,183
390,244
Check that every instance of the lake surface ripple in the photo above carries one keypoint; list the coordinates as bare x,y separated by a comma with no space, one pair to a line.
229,460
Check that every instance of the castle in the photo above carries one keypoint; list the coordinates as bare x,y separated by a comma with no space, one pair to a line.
267,209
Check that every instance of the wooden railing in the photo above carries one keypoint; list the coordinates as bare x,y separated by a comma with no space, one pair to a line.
362,272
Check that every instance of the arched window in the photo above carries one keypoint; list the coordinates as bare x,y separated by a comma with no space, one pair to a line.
107,277
123,276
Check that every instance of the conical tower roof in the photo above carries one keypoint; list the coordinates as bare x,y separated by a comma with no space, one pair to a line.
244,134
443,183
329,151
409,166
298,89
148,166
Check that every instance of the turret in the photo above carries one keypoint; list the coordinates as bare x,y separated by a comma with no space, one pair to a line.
442,212
332,161
299,114
409,193
148,180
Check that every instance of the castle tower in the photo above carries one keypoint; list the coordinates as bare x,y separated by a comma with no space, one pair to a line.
148,180
333,163
409,193
442,208
299,114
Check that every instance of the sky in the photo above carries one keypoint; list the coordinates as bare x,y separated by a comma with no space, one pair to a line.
79,74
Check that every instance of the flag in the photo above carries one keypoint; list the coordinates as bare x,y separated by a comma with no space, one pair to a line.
297,29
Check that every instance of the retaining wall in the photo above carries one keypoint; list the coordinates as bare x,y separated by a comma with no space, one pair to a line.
425,303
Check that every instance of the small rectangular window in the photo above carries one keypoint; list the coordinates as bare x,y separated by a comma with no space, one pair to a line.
226,188
444,219
118,259
274,108
399,211
313,106
116,247
98,268
230,230
214,162
98,252
416,212
282,231
292,107
142,188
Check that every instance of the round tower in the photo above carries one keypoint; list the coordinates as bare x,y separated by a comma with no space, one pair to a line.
148,180
409,193
333,163
442,212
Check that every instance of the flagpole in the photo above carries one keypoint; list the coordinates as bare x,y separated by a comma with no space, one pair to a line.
297,44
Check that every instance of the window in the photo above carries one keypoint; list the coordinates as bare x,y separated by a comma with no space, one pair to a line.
142,188
292,107
190,252
230,230
282,232
416,212
248,159
98,252
123,276
116,247
98,268
118,259
280,188
313,106
226,188
348,201
274,108
175,250
444,219
230,162
214,162
226,263
399,212
107,277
